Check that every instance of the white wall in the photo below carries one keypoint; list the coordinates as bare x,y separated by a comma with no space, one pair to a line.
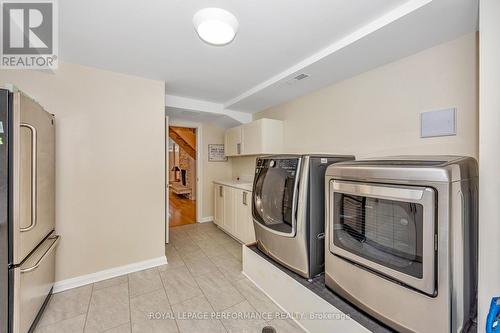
377,113
110,200
212,170
489,157
243,167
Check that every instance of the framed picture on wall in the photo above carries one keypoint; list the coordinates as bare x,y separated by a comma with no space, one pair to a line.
216,153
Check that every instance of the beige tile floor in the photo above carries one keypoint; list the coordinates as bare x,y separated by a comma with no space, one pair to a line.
203,278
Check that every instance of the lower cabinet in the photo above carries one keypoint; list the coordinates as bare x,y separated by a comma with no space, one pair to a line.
244,230
233,212
219,205
229,209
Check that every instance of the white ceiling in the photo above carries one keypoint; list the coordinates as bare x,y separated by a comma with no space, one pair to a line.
156,39
328,39
434,23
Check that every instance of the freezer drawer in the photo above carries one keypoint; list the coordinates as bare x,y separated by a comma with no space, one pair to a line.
33,137
33,281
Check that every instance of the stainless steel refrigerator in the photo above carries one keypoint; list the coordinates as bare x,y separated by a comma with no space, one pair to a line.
27,211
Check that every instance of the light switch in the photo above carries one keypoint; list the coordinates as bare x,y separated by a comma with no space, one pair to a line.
438,123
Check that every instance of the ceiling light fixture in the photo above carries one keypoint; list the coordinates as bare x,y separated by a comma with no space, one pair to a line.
215,26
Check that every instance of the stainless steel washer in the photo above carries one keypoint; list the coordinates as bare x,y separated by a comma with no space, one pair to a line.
288,209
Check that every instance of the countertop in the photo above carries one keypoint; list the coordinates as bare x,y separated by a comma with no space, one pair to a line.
242,185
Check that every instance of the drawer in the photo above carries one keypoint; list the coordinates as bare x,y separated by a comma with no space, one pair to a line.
33,281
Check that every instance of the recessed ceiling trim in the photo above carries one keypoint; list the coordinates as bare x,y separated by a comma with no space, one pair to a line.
367,29
192,104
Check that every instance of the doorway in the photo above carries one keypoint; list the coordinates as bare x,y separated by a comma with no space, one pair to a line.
182,175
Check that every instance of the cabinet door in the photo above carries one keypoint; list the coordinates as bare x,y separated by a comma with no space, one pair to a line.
244,230
263,136
219,204
249,230
271,136
232,141
229,209
239,231
251,138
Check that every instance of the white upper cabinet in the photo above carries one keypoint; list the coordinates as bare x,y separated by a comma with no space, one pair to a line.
263,136
232,141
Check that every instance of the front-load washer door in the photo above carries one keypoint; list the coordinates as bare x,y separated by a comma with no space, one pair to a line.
275,194
388,229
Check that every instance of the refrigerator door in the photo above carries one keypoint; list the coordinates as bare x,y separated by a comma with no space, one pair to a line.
4,202
33,140
33,281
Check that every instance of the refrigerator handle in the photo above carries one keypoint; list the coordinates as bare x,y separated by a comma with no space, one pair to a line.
34,141
49,250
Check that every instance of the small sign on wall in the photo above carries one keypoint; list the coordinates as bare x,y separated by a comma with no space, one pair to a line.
216,153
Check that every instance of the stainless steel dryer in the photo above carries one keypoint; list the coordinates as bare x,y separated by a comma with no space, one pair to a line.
288,209
402,239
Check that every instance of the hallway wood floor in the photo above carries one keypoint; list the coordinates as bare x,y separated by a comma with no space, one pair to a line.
182,211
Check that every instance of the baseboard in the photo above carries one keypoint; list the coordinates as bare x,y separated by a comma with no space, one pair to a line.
206,219
108,274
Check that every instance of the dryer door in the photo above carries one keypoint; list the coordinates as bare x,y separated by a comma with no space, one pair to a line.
389,229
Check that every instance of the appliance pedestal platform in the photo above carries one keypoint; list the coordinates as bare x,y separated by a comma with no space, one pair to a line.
314,308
